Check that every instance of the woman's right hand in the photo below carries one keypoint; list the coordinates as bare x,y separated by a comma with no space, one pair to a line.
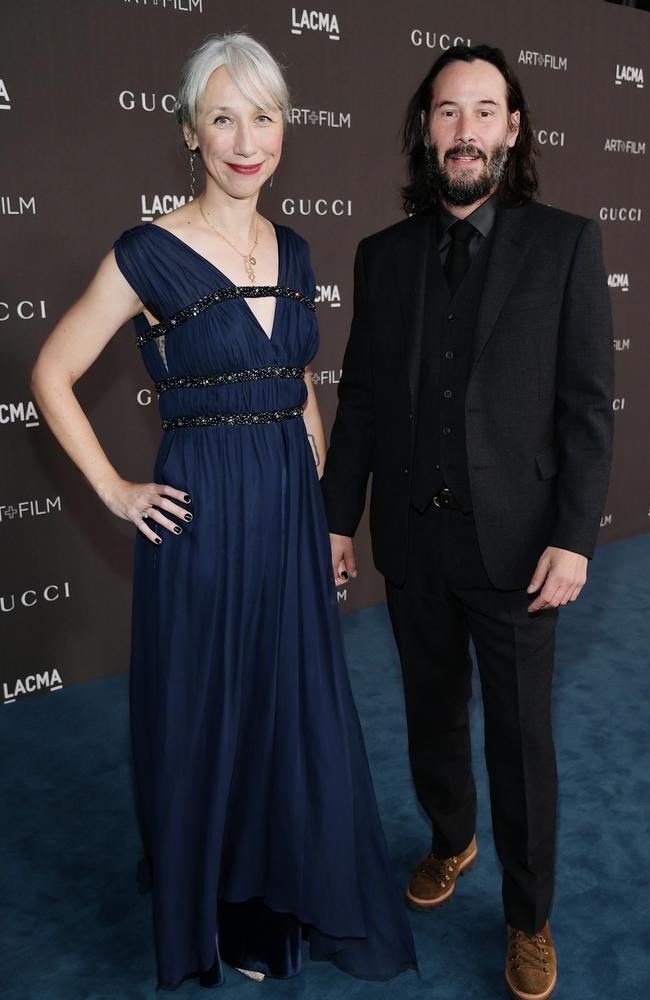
144,503
344,563
75,343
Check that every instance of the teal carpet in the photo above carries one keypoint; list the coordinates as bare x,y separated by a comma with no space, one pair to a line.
73,927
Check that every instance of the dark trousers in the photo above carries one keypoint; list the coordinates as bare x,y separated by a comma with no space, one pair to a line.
446,599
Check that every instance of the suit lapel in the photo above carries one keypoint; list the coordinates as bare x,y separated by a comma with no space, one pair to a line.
506,257
411,255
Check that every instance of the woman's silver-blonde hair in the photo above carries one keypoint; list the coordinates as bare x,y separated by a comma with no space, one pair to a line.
250,65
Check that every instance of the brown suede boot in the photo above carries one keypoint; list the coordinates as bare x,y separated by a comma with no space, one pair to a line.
531,964
434,879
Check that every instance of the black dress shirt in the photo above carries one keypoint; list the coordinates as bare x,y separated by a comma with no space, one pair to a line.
482,218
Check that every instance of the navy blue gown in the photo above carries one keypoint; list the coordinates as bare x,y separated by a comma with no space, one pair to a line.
255,797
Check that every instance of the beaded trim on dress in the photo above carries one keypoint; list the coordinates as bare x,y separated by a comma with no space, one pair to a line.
223,295
233,419
227,378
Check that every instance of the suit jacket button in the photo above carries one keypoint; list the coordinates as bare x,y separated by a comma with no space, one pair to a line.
406,472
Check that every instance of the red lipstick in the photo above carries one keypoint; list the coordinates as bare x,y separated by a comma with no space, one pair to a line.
245,169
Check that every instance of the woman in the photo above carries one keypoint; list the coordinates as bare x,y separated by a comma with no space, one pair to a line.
256,803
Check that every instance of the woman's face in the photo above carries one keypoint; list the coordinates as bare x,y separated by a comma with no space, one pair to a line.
240,144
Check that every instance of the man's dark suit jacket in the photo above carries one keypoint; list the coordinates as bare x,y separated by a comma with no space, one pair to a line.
538,406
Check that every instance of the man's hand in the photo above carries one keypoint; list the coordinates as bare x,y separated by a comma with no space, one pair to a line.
559,577
344,564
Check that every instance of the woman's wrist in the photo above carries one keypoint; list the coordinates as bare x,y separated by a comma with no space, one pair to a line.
104,485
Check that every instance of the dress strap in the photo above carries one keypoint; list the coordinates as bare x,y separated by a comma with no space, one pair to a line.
222,295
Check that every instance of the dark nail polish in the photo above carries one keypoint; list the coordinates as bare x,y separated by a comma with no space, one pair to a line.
187,499
188,517
158,541
177,529
344,575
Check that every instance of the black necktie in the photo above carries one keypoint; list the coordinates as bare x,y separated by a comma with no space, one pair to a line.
458,256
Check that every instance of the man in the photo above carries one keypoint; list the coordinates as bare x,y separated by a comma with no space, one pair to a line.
477,390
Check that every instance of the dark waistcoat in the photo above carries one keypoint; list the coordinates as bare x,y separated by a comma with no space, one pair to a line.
440,451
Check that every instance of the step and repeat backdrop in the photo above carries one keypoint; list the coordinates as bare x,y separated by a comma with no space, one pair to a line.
90,148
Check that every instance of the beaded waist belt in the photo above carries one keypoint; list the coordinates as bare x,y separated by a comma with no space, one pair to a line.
233,419
228,378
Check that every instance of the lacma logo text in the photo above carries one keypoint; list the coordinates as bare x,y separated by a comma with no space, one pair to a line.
629,74
5,102
19,413
49,680
314,20
160,204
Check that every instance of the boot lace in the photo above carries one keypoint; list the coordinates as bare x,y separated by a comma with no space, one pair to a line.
530,950
439,870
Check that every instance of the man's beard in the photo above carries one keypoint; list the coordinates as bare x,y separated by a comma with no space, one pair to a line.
465,190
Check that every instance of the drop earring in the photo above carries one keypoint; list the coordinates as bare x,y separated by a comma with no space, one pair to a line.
193,153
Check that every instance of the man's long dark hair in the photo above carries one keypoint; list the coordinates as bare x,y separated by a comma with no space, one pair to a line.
519,183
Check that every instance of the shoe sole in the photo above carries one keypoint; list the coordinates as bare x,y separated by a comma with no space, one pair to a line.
257,977
518,995
430,904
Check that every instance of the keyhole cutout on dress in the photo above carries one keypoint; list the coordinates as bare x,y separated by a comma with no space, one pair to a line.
267,272
264,312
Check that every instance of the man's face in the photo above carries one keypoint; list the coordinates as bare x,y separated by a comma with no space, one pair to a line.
470,131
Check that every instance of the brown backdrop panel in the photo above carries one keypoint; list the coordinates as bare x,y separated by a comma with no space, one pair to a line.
90,149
